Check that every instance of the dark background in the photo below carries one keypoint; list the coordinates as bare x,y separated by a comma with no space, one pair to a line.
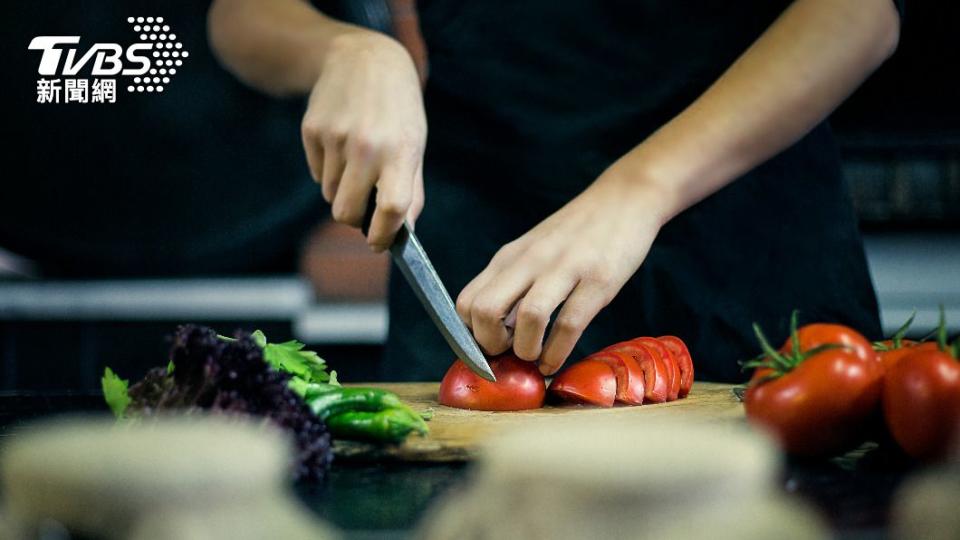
208,178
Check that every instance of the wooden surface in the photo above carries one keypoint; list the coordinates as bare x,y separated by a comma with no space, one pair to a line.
457,434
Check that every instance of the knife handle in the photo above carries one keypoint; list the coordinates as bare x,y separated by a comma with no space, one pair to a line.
368,214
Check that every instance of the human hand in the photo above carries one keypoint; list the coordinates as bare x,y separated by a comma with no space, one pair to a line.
580,256
365,126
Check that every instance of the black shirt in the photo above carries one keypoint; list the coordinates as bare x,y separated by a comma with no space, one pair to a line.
528,102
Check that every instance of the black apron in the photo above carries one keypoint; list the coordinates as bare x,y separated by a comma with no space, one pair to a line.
528,102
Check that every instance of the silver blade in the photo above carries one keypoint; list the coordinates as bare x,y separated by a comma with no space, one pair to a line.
416,267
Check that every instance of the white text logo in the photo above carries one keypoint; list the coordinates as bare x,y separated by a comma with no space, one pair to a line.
81,76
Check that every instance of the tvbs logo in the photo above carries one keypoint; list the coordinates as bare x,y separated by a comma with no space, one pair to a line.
107,57
70,74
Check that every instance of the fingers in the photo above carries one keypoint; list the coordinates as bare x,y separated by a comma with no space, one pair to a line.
533,313
465,300
350,202
395,193
416,206
583,304
333,168
492,303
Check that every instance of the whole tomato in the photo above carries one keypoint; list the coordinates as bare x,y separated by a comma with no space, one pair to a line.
818,334
815,398
921,398
893,349
519,386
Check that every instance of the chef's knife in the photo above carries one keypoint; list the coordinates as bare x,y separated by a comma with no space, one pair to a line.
414,264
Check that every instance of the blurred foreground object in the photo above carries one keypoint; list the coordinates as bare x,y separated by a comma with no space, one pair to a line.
625,479
176,478
926,505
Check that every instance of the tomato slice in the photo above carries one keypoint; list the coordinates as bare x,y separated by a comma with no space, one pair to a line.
655,373
684,361
630,385
589,382
519,386
673,368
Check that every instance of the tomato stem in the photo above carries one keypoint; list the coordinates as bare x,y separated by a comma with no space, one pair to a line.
942,330
782,363
901,332
794,338
777,362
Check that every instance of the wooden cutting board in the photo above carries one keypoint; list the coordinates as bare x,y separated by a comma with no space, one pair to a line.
458,434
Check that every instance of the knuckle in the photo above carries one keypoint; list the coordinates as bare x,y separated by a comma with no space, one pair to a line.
463,305
533,312
570,323
505,253
363,145
394,207
485,312
334,134
600,276
310,130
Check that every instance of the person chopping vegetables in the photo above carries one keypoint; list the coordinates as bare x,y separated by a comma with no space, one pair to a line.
596,170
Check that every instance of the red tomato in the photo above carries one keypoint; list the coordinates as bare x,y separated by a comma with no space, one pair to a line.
818,407
589,381
656,380
673,368
519,386
921,402
821,403
684,361
817,334
630,386
892,356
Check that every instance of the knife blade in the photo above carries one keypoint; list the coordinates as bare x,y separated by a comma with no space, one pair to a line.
412,260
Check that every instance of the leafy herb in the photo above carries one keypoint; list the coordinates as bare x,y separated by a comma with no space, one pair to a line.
115,392
290,357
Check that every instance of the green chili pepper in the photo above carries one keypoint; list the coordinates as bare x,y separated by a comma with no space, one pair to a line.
342,400
390,425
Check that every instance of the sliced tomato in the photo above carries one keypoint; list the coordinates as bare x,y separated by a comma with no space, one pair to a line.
656,385
673,368
589,382
519,386
682,355
630,383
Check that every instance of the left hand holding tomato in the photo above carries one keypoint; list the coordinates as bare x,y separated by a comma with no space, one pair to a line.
580,256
